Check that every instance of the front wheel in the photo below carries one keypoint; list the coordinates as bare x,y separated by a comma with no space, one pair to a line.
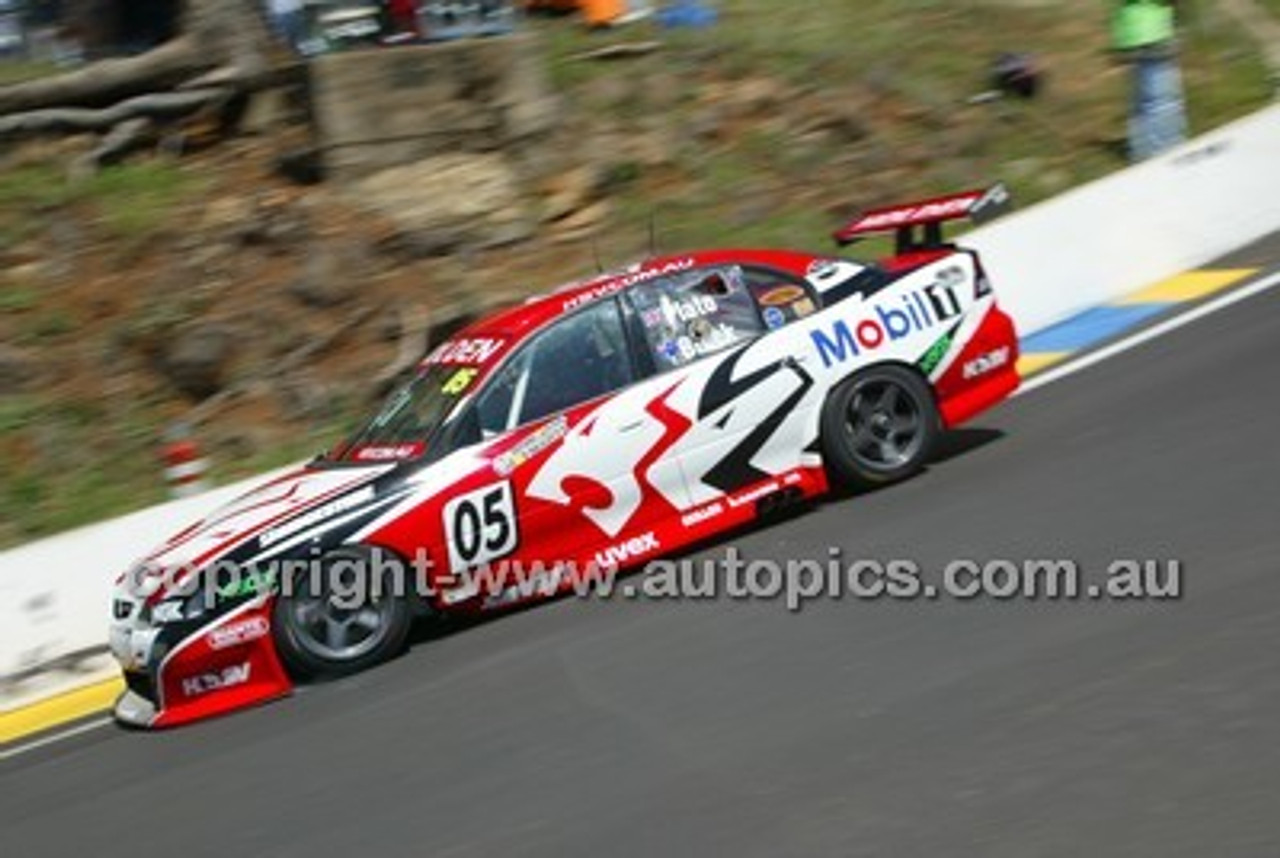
342,614
879,427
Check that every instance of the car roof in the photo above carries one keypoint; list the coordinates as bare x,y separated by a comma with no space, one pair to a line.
517,322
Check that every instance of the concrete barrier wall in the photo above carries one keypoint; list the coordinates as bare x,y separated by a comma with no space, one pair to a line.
1090,245
55,593
1102,240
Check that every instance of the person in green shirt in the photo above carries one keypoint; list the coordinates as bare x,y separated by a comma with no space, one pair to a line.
1144,34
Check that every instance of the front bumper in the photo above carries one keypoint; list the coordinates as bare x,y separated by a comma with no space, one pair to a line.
175,677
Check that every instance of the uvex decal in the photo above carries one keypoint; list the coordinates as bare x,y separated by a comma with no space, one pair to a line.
617,555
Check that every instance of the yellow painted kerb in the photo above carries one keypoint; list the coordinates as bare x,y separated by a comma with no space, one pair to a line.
59,710
1032,362
1189,286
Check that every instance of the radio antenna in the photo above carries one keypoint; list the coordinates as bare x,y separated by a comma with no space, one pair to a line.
653,234
595,252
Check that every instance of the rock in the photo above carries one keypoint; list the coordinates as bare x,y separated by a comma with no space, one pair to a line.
570,191
506,234
582,223
332,274
196,361
708,123
227,215
654,148
755,96
532,118
845,118
443,203
20,370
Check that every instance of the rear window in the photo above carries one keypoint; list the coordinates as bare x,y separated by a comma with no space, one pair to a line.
697,313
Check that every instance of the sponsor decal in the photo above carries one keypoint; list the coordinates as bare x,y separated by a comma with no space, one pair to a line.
237,633
388,452
821,268
752,495
167,612
460,381
774,318
825,274
252,582
332,509
936,210
803,307
639,275
473,350
989,362
531,445
691,309
887,323
929,362
622,552
228,677
706,513
782,295
705,338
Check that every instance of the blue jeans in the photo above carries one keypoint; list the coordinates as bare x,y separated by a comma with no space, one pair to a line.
1157,116
291,27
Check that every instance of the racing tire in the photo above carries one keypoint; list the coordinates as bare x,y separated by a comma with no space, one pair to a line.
878,427
343,614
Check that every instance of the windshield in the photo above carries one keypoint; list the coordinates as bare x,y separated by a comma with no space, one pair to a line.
412,416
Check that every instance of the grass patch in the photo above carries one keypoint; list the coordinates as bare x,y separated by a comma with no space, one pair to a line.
18,299
19,71
134,200
922,58
129,202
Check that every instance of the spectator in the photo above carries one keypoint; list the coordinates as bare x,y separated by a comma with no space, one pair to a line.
288,19
1144,35
402,16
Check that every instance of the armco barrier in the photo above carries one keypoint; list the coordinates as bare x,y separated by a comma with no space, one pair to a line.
1092,244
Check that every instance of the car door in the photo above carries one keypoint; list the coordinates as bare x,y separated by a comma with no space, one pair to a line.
598,483
721,333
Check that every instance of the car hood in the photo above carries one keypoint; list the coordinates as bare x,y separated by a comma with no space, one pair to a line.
281,508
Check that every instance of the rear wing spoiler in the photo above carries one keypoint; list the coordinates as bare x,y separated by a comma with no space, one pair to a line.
918,225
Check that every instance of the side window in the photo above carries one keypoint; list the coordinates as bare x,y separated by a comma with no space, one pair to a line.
781,299
696,313
495,408
579,358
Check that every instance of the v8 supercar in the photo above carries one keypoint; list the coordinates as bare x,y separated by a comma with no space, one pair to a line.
604,425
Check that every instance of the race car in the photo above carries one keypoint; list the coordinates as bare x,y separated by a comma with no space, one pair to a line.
586,431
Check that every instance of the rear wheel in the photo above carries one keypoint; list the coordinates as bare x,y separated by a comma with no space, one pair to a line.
343,614
879,427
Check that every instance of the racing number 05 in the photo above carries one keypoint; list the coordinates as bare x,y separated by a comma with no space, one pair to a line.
481,526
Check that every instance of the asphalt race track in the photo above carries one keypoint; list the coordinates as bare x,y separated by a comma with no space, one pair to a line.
935,728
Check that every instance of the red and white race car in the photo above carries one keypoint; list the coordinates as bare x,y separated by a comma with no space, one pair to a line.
602,426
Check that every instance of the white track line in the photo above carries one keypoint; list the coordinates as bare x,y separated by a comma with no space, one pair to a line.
1071,367
88,726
